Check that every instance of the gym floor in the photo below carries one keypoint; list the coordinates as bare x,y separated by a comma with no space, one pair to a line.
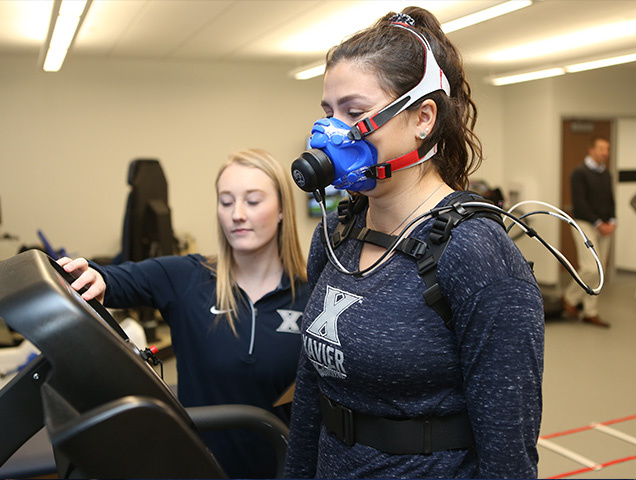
589,378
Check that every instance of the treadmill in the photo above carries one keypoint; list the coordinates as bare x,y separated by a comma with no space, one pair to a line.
107,412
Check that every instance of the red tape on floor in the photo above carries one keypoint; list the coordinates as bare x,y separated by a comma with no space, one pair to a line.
587,427
589,469
583,429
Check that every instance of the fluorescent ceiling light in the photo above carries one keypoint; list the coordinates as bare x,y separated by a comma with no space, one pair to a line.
314,70
526,77
66,18
308,71
581,38
487,14
604,62
323,32
553,72
72,8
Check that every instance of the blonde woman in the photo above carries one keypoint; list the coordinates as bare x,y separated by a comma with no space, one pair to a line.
234,317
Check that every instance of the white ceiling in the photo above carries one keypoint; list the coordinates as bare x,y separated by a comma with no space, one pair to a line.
276,30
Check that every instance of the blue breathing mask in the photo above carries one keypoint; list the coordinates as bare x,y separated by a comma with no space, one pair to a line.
335,159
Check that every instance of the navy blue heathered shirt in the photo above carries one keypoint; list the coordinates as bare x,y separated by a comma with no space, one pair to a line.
214,367
372,344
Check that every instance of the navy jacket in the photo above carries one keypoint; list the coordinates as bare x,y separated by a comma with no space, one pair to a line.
214,367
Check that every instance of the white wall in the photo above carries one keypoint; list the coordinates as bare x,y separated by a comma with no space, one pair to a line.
532,161
68,139
625,154
490,129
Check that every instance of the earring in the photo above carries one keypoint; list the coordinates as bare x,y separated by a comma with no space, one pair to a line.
422,135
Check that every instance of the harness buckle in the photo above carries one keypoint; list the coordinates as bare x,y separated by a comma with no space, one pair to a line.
362,128
348,431
441,229
341,233
433,294
413,247
379,171
344,427
427,447
425,264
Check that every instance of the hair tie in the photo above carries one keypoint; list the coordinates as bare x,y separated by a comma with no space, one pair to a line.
402,18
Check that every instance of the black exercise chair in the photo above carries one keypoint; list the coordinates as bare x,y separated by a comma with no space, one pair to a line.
147,230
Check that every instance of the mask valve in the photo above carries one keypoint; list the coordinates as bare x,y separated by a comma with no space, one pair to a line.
334,159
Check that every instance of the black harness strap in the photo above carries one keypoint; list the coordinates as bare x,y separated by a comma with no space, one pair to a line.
413,436
410,246
348,208
438,240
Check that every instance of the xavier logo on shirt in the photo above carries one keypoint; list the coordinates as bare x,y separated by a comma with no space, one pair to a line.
328,359
290,321
325,326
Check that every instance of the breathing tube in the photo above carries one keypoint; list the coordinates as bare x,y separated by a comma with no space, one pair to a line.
518,221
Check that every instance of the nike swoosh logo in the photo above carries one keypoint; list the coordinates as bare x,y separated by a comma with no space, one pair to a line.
214,310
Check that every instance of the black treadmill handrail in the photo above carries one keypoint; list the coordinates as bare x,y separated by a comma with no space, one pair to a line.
220,417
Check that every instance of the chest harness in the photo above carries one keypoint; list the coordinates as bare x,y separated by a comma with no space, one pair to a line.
414,436
423,435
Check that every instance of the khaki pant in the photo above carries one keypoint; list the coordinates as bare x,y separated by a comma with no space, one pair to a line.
588,270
